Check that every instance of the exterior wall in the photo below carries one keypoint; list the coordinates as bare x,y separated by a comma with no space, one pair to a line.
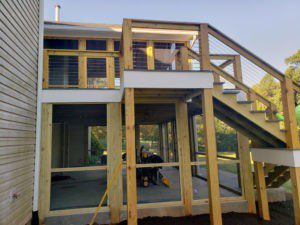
19,33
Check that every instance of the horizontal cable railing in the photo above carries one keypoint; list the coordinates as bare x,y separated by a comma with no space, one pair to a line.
81,69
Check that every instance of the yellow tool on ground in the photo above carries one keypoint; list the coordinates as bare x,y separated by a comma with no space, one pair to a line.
166,181
106,191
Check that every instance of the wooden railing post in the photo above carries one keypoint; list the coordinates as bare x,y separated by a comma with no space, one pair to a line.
292,139
184,58
110,65
82,65
45,70
150,55
210,137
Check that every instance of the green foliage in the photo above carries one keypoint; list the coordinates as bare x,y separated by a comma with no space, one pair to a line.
294,66
269,88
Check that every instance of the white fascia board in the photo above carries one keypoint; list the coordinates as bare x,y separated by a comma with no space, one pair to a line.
81,96
168,79
284,157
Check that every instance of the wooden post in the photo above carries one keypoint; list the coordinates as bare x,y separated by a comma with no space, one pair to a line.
150,55
45,162
184,155
184,58
45,70
127,45
130,157
247,178
263,205
82,65
138,142
130,126
210,136
110,65
292,139
243,150
165,142
114,156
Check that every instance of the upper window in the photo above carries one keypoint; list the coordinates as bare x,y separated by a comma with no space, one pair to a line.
116,45
96,45
60,44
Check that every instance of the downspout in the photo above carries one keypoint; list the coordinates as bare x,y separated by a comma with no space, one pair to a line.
38,116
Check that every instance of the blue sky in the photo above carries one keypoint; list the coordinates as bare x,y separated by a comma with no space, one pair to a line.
269,28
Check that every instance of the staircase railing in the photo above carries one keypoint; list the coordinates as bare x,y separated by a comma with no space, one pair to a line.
251,93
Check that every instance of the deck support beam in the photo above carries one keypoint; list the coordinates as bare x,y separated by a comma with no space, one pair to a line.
114,146
45,167
184,155
210,136
246,176
262,198
292,139
211,158
130,157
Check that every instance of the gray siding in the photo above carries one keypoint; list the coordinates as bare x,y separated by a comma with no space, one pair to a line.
19,31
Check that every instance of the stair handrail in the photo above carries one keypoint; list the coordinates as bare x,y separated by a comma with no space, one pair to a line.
250,56
233,80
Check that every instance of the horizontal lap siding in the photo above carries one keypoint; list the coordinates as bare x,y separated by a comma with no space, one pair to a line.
19,27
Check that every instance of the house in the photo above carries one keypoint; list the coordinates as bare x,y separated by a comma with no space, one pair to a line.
113,80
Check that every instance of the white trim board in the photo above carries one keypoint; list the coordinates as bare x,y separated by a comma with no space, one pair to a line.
81,96
168,79
284,157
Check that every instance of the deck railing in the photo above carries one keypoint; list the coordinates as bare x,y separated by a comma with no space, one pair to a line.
81,68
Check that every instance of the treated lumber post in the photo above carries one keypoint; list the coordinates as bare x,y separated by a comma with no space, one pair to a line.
130,157
210,136
150,55
292,139
184,153
243,149
247,178
130,126
184,58
45,162
262,198
114,146
45,70
211,158
110,65
137,142
82,65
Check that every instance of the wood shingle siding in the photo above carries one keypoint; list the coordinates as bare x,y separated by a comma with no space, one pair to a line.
19,41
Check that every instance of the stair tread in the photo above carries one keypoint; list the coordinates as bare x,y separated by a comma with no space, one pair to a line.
273,121
231,91
245,102
258,111
219,83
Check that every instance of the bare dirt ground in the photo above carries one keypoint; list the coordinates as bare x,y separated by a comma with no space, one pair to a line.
281,214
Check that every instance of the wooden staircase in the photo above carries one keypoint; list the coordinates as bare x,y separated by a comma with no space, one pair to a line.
268,130
259,125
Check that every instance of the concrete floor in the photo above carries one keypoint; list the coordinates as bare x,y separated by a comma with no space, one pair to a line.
85,189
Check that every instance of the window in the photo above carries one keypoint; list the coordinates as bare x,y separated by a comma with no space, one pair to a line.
96,45
60,44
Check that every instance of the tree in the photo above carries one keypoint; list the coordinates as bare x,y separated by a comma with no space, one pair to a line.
293,63
269,88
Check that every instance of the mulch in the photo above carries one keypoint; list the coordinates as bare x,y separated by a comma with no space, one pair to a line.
281,214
